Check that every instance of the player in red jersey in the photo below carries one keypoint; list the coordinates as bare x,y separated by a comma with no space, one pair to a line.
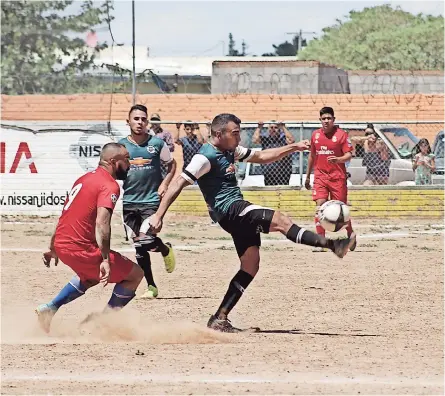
82,237
330,150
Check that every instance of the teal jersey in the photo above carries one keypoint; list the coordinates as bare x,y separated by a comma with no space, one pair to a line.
216,174
144,176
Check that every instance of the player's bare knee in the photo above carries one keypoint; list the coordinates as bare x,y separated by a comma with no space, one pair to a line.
280,222
136,274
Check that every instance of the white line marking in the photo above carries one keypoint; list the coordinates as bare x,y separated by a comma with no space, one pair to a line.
357,226
264,242
296,378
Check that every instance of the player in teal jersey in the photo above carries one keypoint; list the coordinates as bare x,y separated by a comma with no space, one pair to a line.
213,167
143,191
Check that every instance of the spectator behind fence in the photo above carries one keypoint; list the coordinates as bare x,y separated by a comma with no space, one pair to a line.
424,163
191,142
159,132
376,157
276,173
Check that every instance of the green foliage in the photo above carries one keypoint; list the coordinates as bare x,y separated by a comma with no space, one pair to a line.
381,38
40,50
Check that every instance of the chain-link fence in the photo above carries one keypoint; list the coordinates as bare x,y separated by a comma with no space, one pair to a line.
383,153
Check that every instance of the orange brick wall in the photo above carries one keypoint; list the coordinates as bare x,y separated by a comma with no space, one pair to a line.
248,107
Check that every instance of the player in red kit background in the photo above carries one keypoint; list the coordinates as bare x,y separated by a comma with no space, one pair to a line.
82,237
330,150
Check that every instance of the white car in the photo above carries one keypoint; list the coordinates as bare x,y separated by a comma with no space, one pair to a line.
251,175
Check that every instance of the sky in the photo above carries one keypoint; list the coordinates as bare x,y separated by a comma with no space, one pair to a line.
201,28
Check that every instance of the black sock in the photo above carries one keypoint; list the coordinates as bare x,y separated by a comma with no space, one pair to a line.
300,235
236,289
161,247
144,261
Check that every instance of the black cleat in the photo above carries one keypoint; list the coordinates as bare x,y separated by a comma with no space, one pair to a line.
342,246
225,326
222,325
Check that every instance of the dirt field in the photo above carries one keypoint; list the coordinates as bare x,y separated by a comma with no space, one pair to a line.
371,323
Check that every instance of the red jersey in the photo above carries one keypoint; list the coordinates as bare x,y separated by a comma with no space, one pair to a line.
322,147
77,224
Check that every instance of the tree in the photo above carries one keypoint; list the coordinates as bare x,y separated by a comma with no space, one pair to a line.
381,38
39,52
286,48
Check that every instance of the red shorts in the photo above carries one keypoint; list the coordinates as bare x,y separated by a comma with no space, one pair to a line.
330,190
86,263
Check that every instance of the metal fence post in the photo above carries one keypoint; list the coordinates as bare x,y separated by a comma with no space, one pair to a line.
301,155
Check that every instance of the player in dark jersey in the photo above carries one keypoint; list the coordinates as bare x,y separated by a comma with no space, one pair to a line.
213,168
82,237
330,150
143,189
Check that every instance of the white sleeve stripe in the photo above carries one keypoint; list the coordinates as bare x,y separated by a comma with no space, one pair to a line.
187,177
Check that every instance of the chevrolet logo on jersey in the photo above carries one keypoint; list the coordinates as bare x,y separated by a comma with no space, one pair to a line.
139,161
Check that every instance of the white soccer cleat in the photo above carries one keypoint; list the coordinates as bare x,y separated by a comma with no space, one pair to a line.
45,314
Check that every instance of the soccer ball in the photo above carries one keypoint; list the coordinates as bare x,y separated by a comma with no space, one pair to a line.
333,215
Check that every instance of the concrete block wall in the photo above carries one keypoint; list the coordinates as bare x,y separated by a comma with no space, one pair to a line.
396,82
301,77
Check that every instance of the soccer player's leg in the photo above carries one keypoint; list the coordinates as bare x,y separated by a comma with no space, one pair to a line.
127,275
247,242
339,192
74,289
165,249
320,194
133,219
282,223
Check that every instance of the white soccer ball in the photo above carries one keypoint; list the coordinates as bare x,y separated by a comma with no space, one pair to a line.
333,215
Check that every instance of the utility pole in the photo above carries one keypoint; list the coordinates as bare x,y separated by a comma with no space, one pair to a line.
134,55
300,38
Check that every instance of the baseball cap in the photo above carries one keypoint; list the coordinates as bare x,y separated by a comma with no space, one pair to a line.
155,117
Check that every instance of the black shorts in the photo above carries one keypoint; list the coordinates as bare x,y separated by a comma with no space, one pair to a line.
136,219
244,222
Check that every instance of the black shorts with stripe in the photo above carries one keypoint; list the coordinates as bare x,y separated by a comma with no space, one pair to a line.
136,219
245,221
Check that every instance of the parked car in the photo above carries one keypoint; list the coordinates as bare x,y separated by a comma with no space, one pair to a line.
438,148
251,175
399,140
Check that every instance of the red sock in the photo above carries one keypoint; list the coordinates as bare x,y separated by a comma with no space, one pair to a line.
318,227
349,229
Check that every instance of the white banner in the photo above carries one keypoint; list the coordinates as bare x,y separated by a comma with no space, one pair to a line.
39,163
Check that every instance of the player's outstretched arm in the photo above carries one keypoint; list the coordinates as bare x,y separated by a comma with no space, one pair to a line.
170,196
275,154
